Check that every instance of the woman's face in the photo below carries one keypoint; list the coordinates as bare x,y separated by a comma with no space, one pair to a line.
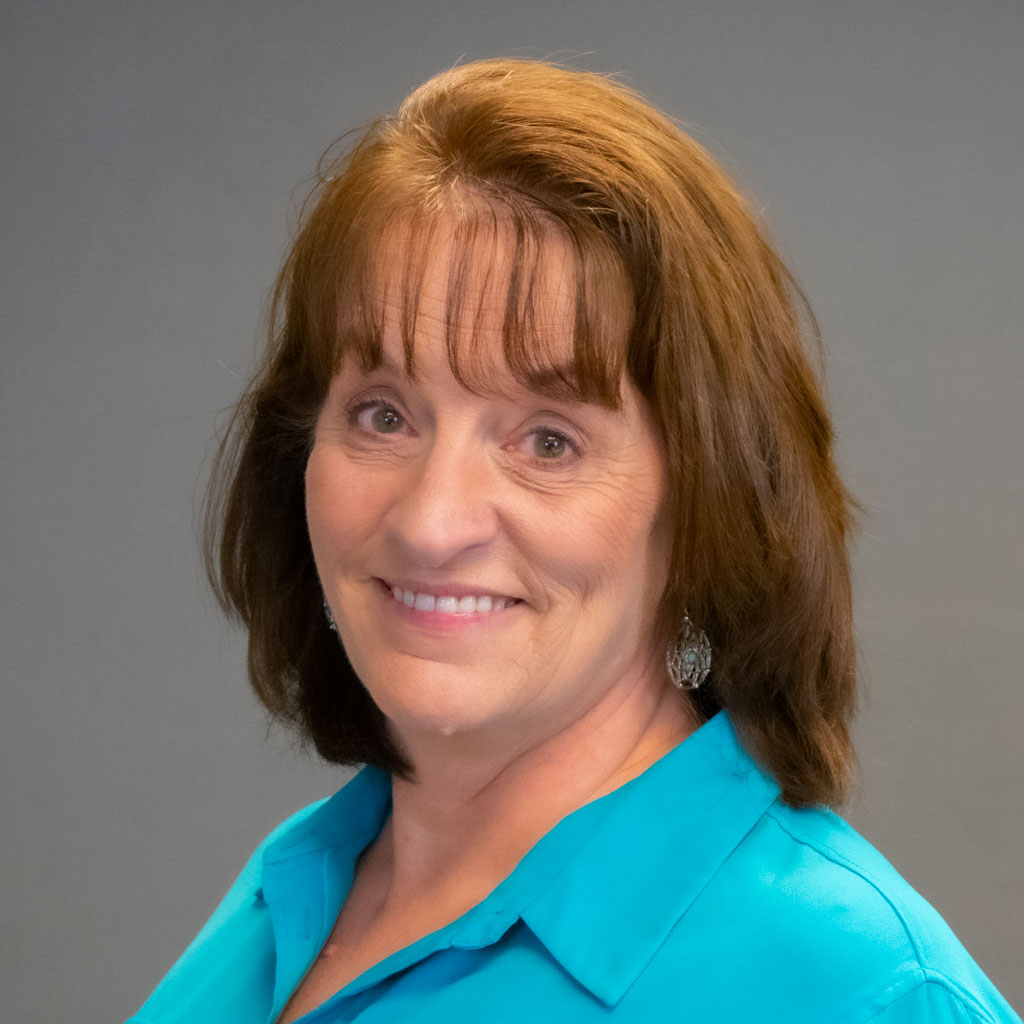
494,564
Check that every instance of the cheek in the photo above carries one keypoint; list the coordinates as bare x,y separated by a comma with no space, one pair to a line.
610,545
640,556
341,504
639,537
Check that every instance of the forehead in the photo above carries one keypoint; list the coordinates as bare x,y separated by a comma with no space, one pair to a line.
504,297
481,276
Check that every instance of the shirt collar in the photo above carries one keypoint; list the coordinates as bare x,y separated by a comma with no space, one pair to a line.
354,815
634,861
599,900
307,871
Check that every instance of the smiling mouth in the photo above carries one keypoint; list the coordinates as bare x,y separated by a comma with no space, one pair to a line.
446,604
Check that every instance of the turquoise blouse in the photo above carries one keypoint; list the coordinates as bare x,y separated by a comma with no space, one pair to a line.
689,894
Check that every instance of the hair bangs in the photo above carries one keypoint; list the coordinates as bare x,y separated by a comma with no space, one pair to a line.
521,294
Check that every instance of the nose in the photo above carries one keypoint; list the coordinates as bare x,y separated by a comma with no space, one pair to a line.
445,506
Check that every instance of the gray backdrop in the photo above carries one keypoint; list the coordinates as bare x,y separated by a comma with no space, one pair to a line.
150,156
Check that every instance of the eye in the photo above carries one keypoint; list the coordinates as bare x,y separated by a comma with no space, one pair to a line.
378,417
546,444
550,444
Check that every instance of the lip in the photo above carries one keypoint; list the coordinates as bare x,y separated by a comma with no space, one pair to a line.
444,589
433,626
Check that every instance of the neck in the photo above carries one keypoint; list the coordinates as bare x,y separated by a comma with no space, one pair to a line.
477,804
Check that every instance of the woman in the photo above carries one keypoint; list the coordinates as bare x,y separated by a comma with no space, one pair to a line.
532,510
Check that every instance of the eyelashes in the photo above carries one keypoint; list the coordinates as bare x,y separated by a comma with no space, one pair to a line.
375,415
378,420
551,445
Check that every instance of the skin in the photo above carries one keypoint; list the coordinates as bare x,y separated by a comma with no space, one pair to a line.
512,719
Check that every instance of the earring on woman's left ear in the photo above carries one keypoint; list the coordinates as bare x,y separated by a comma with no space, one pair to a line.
689,657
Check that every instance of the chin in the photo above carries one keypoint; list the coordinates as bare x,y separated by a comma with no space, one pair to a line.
454,727
437,704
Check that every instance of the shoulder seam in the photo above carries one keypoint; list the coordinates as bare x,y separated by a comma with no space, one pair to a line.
832,854
939,980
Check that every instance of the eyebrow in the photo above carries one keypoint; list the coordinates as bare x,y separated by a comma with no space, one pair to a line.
550,377
557,382
539,379
384,361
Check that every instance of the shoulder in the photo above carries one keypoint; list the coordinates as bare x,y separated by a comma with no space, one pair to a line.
937,999
831,865
227,973
226,963
249,880
832,918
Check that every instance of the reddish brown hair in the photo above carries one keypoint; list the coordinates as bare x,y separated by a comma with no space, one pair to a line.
717,347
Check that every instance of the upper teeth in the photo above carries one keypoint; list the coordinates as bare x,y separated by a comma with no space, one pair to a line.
451,605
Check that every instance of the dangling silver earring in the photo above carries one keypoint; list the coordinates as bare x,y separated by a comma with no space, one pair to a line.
689,657
330,618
